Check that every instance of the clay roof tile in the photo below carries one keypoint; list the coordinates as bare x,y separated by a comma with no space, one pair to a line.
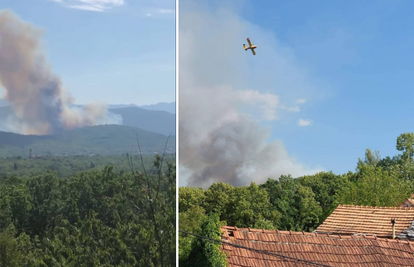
348,220
333,250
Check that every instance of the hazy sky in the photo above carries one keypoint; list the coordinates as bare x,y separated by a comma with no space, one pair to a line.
114,51
337,75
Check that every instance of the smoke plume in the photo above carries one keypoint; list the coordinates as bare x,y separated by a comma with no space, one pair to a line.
39,103
221,134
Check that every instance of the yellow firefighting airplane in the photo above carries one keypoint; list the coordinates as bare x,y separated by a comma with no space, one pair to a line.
251,47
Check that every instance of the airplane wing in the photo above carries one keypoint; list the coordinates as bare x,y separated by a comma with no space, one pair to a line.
254,53
250,43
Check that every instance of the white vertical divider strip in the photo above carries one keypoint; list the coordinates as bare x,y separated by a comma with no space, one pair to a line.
177,111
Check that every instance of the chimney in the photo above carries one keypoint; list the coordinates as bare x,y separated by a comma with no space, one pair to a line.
393,228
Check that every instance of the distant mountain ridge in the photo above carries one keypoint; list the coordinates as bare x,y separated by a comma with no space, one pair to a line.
162,106
151,120
122,106
156,121
169,107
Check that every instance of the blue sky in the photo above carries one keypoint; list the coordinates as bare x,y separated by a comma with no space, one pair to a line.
331,78
113,51
360,52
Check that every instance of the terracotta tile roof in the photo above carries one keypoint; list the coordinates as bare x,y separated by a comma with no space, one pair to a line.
347,220
409,202
345,251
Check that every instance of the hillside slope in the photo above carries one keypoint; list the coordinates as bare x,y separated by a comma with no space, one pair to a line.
103,139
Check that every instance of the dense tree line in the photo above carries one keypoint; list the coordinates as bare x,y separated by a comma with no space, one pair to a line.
70,165
103,217
297,204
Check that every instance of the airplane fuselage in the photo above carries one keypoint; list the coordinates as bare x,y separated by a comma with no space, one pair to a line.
251,47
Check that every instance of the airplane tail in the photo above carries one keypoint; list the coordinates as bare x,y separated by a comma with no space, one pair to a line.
244,46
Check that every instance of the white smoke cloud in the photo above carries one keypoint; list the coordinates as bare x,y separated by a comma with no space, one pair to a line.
301,101
221,138
166,11
303,122
39,103
91,5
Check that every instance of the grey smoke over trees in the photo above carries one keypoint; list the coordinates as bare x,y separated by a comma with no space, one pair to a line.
38,100
220,131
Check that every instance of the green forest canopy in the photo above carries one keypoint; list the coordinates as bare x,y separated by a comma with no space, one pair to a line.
90,214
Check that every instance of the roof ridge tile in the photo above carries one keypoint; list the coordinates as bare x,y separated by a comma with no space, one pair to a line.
374,207
319,235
